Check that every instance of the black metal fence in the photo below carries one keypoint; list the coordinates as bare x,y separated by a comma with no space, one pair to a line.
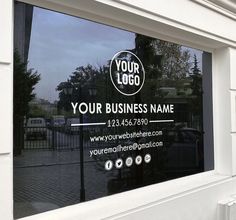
54,138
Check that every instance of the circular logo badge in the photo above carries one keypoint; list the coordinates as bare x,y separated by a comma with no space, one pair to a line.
147,158
127,73
129,161
108,165
119,163
138,160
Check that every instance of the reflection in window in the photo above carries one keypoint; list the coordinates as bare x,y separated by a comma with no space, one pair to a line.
63,157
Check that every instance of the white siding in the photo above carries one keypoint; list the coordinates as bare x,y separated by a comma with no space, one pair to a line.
181,21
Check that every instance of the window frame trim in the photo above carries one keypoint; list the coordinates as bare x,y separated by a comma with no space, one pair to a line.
206,179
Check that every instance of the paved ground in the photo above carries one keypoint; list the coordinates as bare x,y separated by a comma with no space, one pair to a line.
45,180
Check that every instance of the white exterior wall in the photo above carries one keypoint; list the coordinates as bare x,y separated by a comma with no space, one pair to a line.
187,22
6,110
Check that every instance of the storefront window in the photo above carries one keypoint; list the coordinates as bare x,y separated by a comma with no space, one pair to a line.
99,110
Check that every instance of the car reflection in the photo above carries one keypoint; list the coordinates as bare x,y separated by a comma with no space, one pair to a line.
36,129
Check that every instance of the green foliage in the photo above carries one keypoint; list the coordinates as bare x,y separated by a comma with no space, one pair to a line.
146,51
175,60
24,84
83,77
163,62
197,99
196,79
195,69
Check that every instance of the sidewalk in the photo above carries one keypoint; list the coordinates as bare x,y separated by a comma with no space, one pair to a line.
45,180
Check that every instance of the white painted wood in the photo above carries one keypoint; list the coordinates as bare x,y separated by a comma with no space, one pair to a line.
190,14
222,112
227,209
6,187
197,205
233,68
181,21
151,200
233,111
211,4
233,139
6,36
138,19
229,5
6,109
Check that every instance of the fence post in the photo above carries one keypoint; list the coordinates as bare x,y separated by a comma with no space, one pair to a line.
53,138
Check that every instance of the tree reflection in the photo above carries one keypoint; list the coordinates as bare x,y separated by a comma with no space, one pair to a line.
24,84
171,77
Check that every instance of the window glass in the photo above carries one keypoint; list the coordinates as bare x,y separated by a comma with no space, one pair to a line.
99,110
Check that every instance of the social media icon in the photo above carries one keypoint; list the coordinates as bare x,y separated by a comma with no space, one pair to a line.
147,158
119,163
108,165
138,160
129,161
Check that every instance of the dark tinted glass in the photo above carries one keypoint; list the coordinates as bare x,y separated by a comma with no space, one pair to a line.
99,110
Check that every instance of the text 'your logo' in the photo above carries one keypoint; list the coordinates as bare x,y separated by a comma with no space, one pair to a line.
127,73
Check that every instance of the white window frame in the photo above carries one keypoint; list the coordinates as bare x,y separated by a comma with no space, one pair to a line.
135,203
